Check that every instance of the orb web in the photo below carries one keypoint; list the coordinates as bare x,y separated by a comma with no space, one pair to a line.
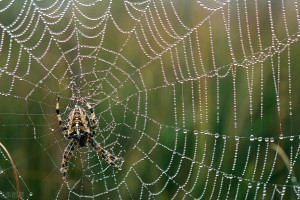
198,97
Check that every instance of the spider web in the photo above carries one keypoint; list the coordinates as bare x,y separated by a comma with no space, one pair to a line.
198,97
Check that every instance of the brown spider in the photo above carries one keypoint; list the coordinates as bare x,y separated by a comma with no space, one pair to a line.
80,128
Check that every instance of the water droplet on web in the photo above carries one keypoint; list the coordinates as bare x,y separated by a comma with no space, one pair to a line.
235,124
291,138
30,194
266,139
237,138
271,139
249,185
264,193
252,138
259,139
280,136
217,135
185,131
283,189
258,185
195,132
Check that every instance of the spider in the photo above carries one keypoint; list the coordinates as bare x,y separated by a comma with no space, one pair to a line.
81,129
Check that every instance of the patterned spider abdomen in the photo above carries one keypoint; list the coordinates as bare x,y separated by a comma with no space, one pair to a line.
79,125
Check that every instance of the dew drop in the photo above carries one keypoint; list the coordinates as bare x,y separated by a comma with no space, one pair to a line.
217,135
252,138
264,193
235,124
283,190
280,136
30,194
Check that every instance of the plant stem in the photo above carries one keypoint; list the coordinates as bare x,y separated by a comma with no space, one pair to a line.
14,169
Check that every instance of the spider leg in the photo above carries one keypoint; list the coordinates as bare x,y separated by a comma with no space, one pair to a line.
106,155
94,122
61,126
68,153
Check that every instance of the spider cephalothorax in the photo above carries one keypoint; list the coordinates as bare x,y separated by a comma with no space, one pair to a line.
80,128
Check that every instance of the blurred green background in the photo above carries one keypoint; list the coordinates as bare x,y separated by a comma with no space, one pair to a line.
180,89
